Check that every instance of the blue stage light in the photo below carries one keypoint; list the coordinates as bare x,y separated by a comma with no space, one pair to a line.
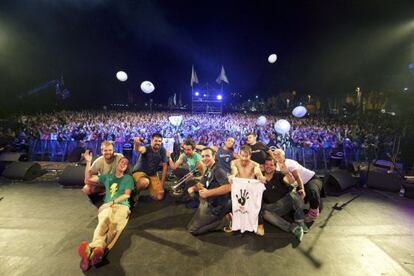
219,97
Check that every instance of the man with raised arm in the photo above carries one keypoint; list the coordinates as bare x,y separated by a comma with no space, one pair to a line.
145,173
104,164
112,215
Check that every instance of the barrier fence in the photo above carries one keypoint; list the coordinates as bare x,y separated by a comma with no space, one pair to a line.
315,159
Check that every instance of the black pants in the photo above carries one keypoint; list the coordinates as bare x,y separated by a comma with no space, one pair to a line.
204,220
313,190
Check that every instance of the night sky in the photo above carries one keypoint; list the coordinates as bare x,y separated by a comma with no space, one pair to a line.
323,47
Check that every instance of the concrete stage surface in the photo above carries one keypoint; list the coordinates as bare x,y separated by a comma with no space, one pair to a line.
42,224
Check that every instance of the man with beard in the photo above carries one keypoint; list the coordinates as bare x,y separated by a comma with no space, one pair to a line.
246,168
213,190
280,198
193,165
145,172
104,164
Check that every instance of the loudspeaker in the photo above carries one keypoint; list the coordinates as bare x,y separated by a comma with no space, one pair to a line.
72,176
409,187
338,181
13,157
22,170
381,179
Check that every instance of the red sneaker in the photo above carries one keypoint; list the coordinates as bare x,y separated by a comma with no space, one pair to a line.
84,251
97,255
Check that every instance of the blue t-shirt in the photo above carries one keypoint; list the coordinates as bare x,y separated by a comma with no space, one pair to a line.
150,160
224,158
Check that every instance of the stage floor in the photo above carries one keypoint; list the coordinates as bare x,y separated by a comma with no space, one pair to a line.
42,224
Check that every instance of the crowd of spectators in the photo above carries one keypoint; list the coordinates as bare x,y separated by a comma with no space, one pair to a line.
206,129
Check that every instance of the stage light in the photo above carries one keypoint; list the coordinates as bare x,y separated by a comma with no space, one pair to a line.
257,97
204,95
197,94
405,89
219,97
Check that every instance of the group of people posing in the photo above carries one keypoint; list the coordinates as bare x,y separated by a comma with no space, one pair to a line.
207,180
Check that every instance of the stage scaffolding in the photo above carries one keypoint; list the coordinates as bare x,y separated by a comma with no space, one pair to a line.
207,99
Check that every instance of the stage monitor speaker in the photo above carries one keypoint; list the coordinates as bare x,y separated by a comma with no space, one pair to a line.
22,170
73,176
13,157
382,179
409,187
338,181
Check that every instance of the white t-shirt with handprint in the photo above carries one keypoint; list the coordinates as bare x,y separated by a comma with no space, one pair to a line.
246,197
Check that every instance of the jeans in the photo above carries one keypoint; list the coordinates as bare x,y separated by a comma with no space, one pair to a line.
274,212
204,220
313,190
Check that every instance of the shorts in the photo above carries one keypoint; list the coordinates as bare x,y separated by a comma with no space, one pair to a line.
155,186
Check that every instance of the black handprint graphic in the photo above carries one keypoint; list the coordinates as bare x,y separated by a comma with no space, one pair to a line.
244,195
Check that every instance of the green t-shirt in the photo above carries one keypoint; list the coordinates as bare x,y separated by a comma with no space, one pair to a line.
115,187
192,160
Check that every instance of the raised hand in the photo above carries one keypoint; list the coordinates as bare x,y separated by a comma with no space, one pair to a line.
283,168
244,196
88,156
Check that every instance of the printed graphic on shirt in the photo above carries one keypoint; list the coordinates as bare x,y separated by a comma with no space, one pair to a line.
113,189
244,196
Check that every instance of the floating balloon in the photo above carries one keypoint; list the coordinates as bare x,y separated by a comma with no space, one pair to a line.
299,111
175,120
272,58
147,87
261,121
121,76
282,126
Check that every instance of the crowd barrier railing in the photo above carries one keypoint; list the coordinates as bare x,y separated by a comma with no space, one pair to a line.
314,159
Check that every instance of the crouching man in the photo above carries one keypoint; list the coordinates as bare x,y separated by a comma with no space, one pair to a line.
214,191
112,216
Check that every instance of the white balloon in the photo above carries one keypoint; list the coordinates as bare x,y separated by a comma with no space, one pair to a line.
261,121
147,87
272,58
282,126
299,111
121,76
